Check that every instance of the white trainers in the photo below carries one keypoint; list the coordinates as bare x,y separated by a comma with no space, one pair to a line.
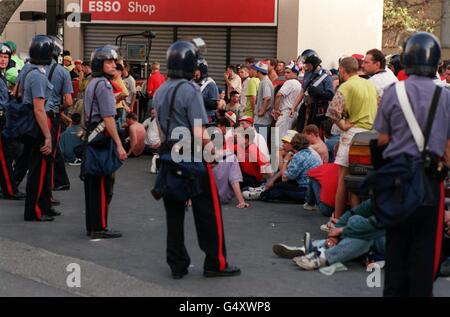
326,227
248,195
287,252
309,207
77,162
153,169
312,261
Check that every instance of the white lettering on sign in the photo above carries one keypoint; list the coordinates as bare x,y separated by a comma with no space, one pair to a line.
136,7
106,6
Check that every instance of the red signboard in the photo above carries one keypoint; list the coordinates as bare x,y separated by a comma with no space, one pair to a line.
183,12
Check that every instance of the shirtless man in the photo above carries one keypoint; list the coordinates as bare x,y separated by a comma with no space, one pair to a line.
136,132
312,134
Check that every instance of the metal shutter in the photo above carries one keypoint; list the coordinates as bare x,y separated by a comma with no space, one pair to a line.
216,45
96,35
254,42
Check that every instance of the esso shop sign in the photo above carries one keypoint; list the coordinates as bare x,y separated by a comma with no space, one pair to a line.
183,12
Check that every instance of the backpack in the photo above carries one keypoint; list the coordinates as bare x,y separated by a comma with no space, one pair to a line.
20,120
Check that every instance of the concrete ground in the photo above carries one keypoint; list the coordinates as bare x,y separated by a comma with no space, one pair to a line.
34,256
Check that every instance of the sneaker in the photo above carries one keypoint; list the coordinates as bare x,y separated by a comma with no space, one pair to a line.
287,252
259,189
309,207
326,227
312,261
248,195
77,162
307,243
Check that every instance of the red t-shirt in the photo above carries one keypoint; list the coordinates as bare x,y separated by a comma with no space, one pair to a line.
402,75
251,160
327,175
154,82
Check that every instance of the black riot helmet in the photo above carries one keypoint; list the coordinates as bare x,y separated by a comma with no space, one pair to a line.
182,60
41,50
306,53
202,66
57,49
421,55
396,63
314,60
99,56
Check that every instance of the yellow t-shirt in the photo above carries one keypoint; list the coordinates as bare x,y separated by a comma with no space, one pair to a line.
124,92
361,102
252,90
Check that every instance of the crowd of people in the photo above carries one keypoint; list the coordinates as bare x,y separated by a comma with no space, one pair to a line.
282,133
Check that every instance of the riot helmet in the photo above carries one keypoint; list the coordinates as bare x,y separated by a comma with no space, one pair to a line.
41,50
306,53
314,60
182,60
421,55
395,63
99,56
57,49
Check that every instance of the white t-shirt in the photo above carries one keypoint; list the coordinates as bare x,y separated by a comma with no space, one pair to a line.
382,80
130,83
290,91
152,135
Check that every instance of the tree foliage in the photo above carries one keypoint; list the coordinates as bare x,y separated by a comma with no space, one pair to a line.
403,17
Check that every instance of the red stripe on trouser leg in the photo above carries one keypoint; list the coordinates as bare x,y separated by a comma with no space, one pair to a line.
103,202
5,170
216,203
58,136
439,231
41,185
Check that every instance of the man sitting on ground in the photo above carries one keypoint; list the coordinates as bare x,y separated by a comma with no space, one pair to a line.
135,143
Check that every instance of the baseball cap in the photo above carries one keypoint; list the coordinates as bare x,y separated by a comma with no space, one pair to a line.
230,115
246,118
261,67
289,136
358,56
78,61
68,58
293,67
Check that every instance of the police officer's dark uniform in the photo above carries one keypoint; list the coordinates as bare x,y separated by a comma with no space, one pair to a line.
38,190
413,247
62,85
99,100
188,105
318,88
7,183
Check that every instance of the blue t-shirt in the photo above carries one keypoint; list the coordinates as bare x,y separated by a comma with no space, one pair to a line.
299,166
36,83
62,84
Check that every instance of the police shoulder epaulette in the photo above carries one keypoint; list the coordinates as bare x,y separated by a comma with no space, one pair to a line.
42,70
194,85
108,84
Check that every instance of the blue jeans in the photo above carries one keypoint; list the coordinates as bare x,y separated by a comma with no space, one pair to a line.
349,249
285,191
331,142
313,198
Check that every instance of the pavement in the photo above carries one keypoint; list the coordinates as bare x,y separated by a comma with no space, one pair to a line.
38,259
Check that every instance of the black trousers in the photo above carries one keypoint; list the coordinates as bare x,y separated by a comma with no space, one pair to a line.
315,116
413,252
208,222
22,162
7,182
97,191
59,174
38,189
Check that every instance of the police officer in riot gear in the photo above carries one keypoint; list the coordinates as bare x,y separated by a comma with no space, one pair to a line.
413,247
61,99
395,64
209,89
317,92
37,91
100,111
7,183
178,103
